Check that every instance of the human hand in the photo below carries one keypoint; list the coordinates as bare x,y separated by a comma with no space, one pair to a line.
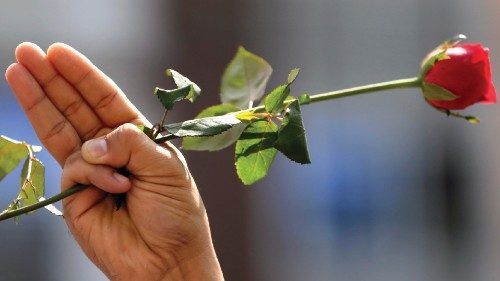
162,231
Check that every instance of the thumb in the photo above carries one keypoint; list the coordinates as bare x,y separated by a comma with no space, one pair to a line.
128,147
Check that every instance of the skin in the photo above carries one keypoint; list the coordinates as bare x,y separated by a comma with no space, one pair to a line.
86,122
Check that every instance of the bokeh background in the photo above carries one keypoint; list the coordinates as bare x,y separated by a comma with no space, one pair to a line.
396,190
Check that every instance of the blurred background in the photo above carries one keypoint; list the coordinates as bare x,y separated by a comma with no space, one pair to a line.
396,190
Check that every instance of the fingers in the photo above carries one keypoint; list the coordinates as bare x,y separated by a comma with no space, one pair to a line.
99,91
103,178
77,170
52,128
128,147
64,97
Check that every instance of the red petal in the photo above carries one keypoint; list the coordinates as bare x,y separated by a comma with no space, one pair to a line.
466,74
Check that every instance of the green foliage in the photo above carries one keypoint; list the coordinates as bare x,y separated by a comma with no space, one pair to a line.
255,151
274,101
169,97
185,90
32,185
183,82
146,130
32,182
293,75
292,136
11,154
304,99
435,92
244,82
203,127
220,141
245,78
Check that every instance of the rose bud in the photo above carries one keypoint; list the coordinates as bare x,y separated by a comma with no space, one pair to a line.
456,75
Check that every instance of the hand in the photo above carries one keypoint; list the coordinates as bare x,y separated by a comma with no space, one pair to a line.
162,232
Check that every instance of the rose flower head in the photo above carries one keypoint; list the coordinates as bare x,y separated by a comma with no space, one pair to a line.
456,75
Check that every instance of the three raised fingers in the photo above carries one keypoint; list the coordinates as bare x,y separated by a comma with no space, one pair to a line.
66,98
100,92
63,95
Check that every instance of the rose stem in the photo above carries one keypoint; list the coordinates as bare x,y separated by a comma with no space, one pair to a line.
413,82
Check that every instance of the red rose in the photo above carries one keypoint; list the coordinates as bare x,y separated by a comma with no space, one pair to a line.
462,74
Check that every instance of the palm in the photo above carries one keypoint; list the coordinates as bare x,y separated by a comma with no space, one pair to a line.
132,231
68,101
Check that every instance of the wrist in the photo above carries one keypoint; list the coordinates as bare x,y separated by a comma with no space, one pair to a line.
197,261
203,265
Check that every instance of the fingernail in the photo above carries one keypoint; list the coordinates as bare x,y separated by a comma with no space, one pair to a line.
96,148
120,178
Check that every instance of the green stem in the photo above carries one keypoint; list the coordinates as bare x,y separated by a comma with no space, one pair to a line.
414,82
41,204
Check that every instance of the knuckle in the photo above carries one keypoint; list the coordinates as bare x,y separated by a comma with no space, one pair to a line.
91,133
73,107
129,130
56,129
72,159
106,100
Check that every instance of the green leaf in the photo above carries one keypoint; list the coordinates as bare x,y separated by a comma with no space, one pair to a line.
245,78
255,151
169,97
11,154
293,74
219,141
304,99
435,92
216,142
183,82
274,101
32,181
186,89
32,184
292,136
203,127
146,130
217,110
